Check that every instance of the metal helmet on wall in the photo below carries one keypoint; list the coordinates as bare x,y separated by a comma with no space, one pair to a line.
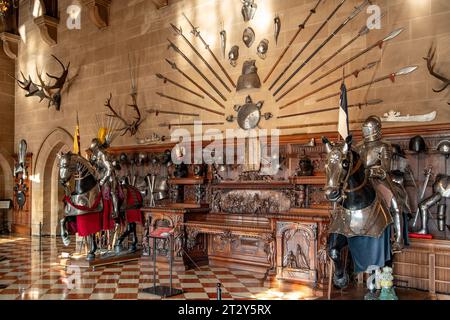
249,78
371,129
417,144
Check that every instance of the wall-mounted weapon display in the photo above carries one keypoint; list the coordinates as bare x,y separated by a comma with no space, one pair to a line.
179,32
431,64
248,37
190,104
223,41
354,73
402,72
276,28
249,78
51,92
248,9
249,114
352,16
262,49
320,110
21,166
195,31
314,36
167,80
364,31
175,67
378,44
177,50
294,37
233,55
190,124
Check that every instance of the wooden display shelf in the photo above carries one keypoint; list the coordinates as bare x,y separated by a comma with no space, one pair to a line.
313,180
187,181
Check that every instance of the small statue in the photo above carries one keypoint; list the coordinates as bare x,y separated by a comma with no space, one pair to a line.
387,285
291,260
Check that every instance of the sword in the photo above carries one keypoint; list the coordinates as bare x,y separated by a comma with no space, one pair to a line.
177,50
352,16
359,105
170,125
179,32
392,76
428,173
379,44
189,104
300,28
355,73
174,66
308,43
196,33
160,76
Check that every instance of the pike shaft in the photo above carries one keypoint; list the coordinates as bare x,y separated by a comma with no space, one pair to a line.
354,73
190,104
307,44
358,105
378,44
324,43
193,124
174,47
203,59
300,28
174,112
391,76
197,34
179,86
174,66
322,124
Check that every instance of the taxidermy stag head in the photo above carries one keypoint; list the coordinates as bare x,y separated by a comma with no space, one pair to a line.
132,126
431,64
49,91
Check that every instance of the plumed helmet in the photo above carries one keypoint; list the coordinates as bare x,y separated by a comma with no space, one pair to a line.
444,148
371,129
417,144
95,144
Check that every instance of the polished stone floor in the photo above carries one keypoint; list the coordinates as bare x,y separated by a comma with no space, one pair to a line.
31,271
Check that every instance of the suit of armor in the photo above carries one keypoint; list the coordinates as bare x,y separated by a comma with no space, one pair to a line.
108,182
376,155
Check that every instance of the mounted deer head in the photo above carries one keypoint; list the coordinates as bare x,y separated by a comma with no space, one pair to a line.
131,127
431,64
51,92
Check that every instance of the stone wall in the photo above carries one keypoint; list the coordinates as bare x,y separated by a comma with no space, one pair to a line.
138,32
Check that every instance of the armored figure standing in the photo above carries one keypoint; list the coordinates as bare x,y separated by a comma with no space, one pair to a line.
105,167
376,155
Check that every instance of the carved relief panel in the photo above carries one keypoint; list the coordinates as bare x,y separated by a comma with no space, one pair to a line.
297,251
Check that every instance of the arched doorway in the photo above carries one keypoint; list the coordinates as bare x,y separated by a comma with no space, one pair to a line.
6,186
47,207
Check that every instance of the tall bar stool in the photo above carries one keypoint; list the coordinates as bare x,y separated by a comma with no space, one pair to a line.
163,291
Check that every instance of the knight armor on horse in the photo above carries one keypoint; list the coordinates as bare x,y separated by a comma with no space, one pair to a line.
376,155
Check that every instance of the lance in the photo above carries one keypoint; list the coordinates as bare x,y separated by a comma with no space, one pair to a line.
364,31
352,16
157,112
378,44
308,43
402,72
357,105
355,73
189,104
196,33
170,125
300,28
179,32
174,66
165,79
177,50
321,124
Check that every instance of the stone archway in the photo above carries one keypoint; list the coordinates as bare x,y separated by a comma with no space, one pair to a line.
46,194
6,182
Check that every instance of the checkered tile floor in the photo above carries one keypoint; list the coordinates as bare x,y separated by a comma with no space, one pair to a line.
31,274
